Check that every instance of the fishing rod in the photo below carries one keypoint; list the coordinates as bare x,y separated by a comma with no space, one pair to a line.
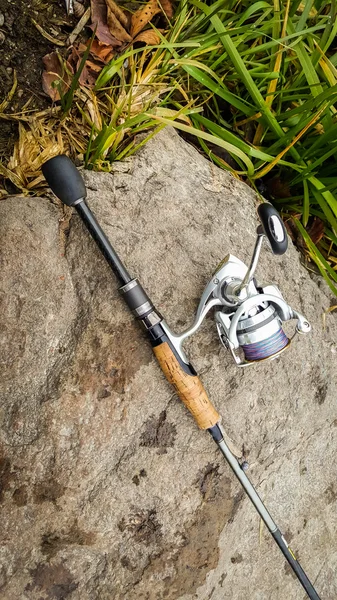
248,318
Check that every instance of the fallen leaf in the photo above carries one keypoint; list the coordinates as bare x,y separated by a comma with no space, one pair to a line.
316,230
119,13
90,70
149,37
89,74
100,23
56,70
102,52
143,16
93,66
48,79
167,7
76,53
116,28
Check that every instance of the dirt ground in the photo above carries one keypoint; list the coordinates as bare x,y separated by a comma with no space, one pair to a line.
22,48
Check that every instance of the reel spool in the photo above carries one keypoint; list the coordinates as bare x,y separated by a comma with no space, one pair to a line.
261,336
249,318
259,333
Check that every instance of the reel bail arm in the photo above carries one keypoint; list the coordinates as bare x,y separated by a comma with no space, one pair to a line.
252,267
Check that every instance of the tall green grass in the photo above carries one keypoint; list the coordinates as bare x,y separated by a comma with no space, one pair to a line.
262,80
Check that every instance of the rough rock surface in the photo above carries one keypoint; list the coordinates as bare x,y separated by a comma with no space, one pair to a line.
107,489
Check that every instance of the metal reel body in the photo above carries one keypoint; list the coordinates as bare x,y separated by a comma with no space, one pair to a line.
249,324
248,317
252,322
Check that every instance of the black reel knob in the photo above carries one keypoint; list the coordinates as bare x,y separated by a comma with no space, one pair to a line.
273,228
64,179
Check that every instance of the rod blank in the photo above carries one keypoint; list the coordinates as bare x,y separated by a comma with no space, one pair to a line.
101,239
264,514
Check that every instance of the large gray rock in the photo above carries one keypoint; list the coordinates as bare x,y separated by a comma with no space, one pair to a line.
108,490
38,311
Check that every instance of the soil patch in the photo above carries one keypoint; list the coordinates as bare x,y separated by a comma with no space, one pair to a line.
22,47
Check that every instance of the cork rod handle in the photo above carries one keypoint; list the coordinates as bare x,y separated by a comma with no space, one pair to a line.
188,387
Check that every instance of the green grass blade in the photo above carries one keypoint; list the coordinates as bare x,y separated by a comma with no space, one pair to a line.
306,203
309,70
230,137
328,214
68,97
318,258
327,195
217,87
231,149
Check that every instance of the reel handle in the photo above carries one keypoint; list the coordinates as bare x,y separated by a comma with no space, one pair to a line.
273,228
64,179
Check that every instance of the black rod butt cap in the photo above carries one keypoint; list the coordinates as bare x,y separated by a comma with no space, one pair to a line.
64,179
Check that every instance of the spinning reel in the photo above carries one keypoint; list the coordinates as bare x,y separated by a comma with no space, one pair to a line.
248,317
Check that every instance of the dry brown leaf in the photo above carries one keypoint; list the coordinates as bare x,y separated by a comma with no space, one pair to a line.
48,79
143,16
55,70
100,23
167,8
90,70
88,76
76,54
101,51
293,231
99,55
116,28
93,66
149,37
316,230
119,13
